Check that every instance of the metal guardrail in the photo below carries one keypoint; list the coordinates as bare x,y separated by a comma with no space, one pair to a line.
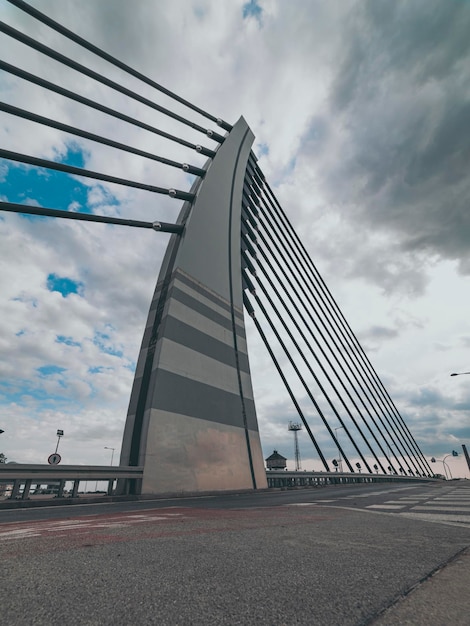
23,476
26,475
286,479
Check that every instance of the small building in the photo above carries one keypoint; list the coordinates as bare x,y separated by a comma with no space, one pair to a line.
276,461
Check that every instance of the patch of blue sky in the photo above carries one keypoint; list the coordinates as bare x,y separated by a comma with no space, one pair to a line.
50,370
24,393
99,369
24,184
101,340
252,9
74,156
20,395
64,285
68,341
262,149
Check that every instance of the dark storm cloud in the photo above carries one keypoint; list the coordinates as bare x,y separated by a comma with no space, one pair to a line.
428,397
400,104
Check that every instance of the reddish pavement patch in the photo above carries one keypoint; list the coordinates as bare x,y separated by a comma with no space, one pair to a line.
18,538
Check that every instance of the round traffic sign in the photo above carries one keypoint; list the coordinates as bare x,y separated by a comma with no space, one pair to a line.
54,459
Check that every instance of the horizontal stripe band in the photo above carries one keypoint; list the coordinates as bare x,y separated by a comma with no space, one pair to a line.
178,394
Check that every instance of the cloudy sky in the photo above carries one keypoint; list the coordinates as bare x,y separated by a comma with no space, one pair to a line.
361,112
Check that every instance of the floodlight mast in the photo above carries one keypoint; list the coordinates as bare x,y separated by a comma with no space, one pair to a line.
295,427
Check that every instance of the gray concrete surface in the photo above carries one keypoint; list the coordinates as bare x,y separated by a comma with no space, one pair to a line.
266,565
440,599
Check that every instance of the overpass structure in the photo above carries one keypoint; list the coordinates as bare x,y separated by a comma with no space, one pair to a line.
233,258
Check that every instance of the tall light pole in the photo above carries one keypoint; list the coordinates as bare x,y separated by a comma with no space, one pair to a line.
340,460
295,427
454,453
464,448
60,433
443,461
112,453
434,460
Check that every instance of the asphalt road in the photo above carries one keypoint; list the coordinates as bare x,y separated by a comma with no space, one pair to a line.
341,494
330,556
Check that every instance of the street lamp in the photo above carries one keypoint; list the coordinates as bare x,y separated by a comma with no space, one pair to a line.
434,460
459,373
340,460
443,461
112,453
454,453
60,433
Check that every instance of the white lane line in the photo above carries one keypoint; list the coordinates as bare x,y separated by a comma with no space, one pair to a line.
431,507
23,533
61,527
386,506
449,502
451,520
452,499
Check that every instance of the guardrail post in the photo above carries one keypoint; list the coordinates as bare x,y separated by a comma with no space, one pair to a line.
110,487
16,489
76,484
60,490
27,487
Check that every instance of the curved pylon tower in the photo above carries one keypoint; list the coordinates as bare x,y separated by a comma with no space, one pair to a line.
192,422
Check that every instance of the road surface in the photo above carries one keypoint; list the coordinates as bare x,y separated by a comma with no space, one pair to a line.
340,555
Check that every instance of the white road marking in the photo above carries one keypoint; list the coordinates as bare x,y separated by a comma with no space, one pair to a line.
85,525
386,506
22,533
434,507
450,520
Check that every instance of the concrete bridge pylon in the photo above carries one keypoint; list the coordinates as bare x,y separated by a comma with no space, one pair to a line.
192,421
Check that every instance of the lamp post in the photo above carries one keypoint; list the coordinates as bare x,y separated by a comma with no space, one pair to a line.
60,433
443,461
112,453
463,446
434,460
454,453
340,460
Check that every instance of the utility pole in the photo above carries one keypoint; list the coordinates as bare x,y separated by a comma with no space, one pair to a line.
295,427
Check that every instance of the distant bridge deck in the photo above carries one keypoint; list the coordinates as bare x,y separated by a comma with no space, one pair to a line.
291,479
19,474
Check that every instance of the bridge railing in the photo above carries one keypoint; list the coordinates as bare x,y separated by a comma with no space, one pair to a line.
23,476
285,479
